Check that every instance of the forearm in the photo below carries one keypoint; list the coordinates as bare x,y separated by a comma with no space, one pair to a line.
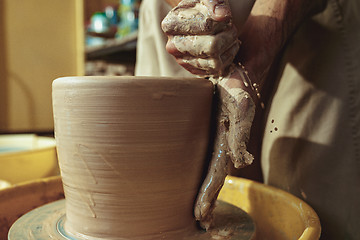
268,28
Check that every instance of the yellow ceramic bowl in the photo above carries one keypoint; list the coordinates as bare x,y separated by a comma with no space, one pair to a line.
276,213
27,157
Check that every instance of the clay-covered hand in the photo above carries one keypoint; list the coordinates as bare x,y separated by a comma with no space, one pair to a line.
203,40
201,36
236,111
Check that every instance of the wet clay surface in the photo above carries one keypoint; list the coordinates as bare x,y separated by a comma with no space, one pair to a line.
131,153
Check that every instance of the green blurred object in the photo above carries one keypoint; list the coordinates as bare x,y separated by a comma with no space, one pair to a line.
99,23
129,17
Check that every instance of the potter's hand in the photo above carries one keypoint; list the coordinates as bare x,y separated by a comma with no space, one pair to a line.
201,36
236,112
204,41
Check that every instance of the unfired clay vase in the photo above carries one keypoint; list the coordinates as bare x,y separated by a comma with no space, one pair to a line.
131,152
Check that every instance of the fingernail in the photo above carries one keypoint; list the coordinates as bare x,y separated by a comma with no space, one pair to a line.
222,11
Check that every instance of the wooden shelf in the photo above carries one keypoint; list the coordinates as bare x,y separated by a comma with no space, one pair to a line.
111,46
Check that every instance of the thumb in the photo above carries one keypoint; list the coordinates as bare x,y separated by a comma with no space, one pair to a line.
219,9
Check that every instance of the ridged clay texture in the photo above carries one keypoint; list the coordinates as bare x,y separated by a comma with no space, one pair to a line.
131,152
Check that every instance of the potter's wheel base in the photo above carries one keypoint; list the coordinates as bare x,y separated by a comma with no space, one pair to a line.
47,222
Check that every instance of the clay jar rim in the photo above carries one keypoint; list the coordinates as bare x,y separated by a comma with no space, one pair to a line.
130,79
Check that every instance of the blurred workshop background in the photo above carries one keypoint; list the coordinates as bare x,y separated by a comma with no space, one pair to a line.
42,40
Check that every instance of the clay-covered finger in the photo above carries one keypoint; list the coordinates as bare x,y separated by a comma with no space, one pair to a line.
219,9
192,18
205,45
172,49
209,66
191,68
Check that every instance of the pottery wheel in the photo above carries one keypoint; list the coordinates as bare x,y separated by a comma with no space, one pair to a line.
47,222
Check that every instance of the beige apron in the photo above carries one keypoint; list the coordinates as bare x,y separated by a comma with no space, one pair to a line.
151,56
311,142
